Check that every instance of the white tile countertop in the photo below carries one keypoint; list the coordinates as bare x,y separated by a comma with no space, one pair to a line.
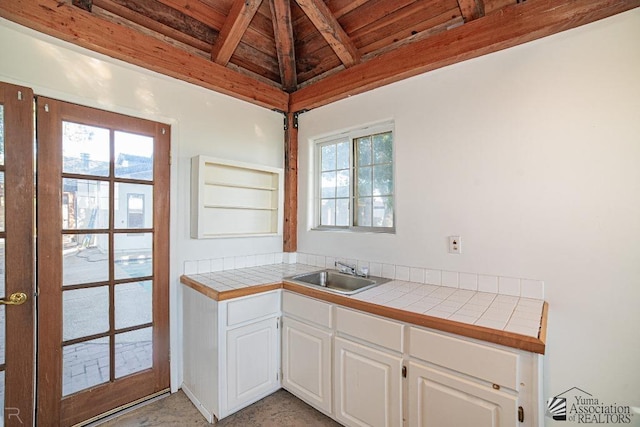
505,313
501,312
240,278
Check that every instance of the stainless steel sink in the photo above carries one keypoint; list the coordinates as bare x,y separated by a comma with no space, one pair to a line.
333,281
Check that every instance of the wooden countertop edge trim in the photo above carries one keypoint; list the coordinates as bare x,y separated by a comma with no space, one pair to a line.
250,290
197,286
542,335
509,339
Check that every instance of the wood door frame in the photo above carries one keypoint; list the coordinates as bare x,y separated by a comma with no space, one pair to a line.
19,245
52,409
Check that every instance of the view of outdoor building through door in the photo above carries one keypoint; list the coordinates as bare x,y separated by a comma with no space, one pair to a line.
16,256
103,204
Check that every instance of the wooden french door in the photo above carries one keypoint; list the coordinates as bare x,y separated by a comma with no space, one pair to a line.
103,261
17,282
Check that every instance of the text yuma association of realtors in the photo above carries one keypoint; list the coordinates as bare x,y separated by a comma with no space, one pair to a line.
590,410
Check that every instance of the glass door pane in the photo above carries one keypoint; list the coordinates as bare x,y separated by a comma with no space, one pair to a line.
93,339
114,281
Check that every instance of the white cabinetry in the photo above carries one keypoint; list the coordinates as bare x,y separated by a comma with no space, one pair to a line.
441,399
306,350
233,199
368,370
231,351
351,365
252,363
368,385
457,382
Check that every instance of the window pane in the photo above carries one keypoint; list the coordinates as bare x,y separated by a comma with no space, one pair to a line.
85,258
328,157
342,212
328,184
383,212
1,134
85,365
328,212
133,206
364,151
133,257
85,204
2,203
343,155
382,148
133,156
382,180
363,216
85,149
133,304
364,181
134,351
343,184
85,312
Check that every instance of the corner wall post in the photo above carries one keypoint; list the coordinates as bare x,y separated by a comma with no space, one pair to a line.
290,232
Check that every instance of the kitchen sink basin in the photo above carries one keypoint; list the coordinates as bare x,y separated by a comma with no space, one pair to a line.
337,282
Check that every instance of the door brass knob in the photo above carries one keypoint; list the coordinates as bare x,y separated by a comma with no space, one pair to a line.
16,298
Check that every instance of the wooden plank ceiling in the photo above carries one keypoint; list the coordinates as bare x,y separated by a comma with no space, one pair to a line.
293,55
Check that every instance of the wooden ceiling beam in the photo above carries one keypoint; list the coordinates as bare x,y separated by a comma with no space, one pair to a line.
234,27
199,11
69,23
514,25
471,9
283,31
330,28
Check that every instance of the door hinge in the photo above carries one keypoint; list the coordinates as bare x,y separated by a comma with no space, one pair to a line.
520,414
404,371
170,157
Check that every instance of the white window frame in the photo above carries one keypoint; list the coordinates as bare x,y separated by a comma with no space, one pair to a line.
351,136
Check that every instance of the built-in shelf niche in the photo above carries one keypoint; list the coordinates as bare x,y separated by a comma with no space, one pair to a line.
235,199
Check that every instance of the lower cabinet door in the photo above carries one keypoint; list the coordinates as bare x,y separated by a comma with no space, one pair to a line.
306,363
368,385
440,399
252,362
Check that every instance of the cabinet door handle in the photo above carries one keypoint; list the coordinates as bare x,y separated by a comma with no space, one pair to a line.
16,298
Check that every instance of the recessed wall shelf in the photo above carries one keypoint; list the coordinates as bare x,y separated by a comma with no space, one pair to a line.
235,199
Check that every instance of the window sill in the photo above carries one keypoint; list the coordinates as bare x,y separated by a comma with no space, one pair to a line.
356,230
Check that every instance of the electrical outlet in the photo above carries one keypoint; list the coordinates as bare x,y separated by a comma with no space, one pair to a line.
455,245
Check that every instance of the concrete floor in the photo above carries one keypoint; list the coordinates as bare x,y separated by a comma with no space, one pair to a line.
281,409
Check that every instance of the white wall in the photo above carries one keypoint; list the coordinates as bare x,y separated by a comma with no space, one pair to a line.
203,122
532,156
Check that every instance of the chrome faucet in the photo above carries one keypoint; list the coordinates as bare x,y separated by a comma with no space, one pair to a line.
346,268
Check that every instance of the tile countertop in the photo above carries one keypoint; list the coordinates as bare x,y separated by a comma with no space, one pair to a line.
508,320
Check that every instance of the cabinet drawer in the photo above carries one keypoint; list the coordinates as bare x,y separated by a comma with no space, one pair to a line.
376,330
307,309
487,363
252,307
